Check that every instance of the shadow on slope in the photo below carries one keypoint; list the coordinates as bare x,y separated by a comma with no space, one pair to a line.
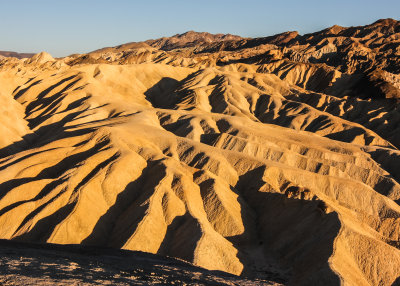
159,95
292,230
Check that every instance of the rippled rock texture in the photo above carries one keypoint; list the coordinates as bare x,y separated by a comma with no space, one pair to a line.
271,156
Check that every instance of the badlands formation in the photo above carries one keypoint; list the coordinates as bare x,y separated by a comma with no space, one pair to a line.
275,158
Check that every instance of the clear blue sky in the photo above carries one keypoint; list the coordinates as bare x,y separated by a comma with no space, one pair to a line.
63,27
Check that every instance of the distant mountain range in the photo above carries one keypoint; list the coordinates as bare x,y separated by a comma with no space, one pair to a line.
15,54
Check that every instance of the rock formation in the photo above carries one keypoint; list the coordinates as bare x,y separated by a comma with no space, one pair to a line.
267,157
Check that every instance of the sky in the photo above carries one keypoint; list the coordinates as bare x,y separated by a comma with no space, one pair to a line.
64,27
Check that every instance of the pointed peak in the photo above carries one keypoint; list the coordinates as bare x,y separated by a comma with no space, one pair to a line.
335,29
41,57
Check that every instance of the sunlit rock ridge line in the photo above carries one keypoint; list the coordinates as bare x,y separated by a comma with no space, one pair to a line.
263,157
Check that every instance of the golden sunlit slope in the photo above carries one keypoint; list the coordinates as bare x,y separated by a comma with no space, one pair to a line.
265,167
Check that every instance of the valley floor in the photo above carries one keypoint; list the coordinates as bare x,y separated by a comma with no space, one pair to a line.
36,264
